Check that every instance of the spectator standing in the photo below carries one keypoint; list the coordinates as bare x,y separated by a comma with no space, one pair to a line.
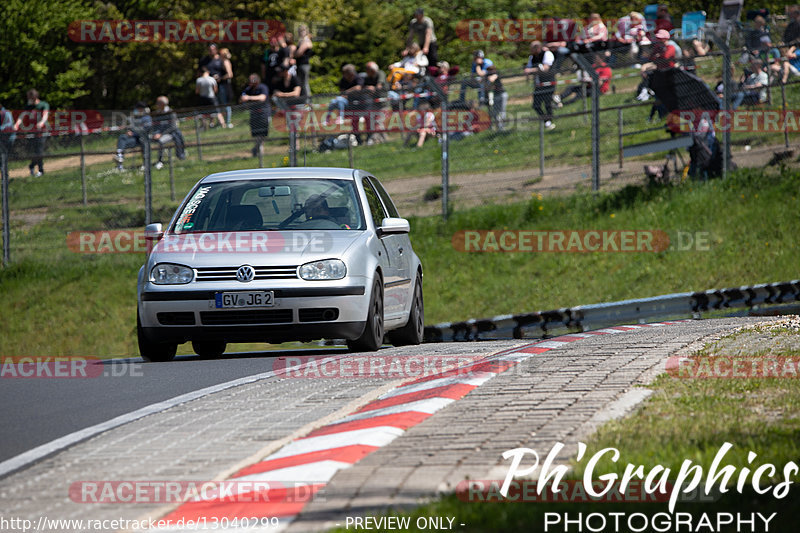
166,130
213,62
7,135
38,110
498,98
141,124
256,99
477,76
420,30
206,88
226,85
791,35
275,57
301,56
540,64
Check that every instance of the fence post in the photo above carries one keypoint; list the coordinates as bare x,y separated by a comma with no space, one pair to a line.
148,182
785,124
197,136
541,147
83,174
726,83
445,159
171,175
588,69
261,155
350,158
620,126
293,147
6,218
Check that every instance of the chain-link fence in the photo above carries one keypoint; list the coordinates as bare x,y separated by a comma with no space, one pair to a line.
593,119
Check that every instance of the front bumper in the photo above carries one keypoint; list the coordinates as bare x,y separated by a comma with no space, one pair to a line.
299,313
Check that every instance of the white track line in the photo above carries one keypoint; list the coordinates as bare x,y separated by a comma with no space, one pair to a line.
35,454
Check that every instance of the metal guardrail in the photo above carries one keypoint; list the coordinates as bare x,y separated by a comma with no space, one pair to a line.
543,324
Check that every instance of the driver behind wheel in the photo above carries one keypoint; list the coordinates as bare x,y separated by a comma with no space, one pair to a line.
316,207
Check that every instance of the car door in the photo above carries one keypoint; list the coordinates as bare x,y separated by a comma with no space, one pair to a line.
399,249
391,295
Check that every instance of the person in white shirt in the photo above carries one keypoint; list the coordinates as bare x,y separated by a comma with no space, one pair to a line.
754,88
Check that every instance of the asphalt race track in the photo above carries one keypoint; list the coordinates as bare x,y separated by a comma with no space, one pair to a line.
415,436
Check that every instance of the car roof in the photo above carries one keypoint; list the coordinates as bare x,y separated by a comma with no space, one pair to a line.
285,173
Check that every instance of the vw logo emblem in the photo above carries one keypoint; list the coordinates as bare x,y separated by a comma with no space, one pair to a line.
245,273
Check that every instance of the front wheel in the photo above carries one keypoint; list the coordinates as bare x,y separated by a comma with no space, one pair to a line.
209,349
372,338
414,330
153,351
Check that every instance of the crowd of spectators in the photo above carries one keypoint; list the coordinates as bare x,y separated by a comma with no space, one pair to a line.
284,81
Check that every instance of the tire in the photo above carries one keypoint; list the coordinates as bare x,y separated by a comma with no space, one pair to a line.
372,338
414,330
153,351
209,349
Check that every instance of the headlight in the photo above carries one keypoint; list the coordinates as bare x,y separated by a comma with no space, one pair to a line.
169,274
327,269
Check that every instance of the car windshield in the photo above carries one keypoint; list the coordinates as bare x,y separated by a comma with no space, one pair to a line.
277,204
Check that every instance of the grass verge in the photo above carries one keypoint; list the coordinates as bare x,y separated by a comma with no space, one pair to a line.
684,419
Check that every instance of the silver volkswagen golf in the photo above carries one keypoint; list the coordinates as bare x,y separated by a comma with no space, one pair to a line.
276,255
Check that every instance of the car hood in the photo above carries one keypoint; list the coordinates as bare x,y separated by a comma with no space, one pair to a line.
254,247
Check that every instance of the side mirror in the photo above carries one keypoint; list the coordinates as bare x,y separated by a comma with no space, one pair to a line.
393,226
153,232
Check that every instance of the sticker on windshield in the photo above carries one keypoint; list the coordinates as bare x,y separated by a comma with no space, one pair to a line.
191,207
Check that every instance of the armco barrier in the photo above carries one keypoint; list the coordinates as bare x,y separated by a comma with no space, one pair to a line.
587,317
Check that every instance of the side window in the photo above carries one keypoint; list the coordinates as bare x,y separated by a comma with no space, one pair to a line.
387,202
375,207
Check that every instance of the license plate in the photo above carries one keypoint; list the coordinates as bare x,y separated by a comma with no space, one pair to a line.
226,300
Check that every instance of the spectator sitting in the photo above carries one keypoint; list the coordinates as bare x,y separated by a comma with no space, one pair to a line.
413,62
166,130
287,90
559,37
477,76
638,32
140,124
623,42
350,86
663,19
375,89
426,124
574,92
442,74
791,64
595,35
754,88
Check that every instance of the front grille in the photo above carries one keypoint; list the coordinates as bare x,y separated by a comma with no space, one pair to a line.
318,314
270,316
262,272
176,319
